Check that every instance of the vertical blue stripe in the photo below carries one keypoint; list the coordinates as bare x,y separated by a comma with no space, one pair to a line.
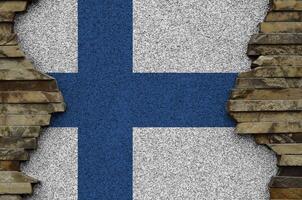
105,65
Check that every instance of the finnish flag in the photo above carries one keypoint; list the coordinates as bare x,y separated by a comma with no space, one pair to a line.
146,84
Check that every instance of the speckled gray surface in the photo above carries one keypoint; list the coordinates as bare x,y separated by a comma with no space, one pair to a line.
48,35
194,35
55,164
199,164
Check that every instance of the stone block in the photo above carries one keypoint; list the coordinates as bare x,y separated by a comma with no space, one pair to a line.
18,63
286,182
24,120
10,197
287,5
13,6
273,72
267,94
20,131
267,116
257,50
293,39
13,154
37,108
281,27
15,188
264,105
268,83
8,40
7,16
9,166
17,143
33,85
290,160
284,17
286,193
30,97
290,149
278,138
22,74
269,127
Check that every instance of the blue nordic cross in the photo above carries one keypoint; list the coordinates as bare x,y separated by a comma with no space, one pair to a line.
106,99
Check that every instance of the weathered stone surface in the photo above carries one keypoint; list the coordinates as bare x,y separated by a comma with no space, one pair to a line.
20,131
281,27
6,28
288,5
42,85
15,177
9,166
286,182
293,39
269,127
278,138
15,188
13,154
23,143
32,108
286,193
290,171
264,105
278,60
10,197
284,17
267,116
7,16
283,149
11,52
13,6
18,63
273,72
290,160
8,40
24,120
22,74
265,83
30,97
268,94
257,50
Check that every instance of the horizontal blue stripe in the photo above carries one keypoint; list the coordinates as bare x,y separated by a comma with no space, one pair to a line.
181,100
152,100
